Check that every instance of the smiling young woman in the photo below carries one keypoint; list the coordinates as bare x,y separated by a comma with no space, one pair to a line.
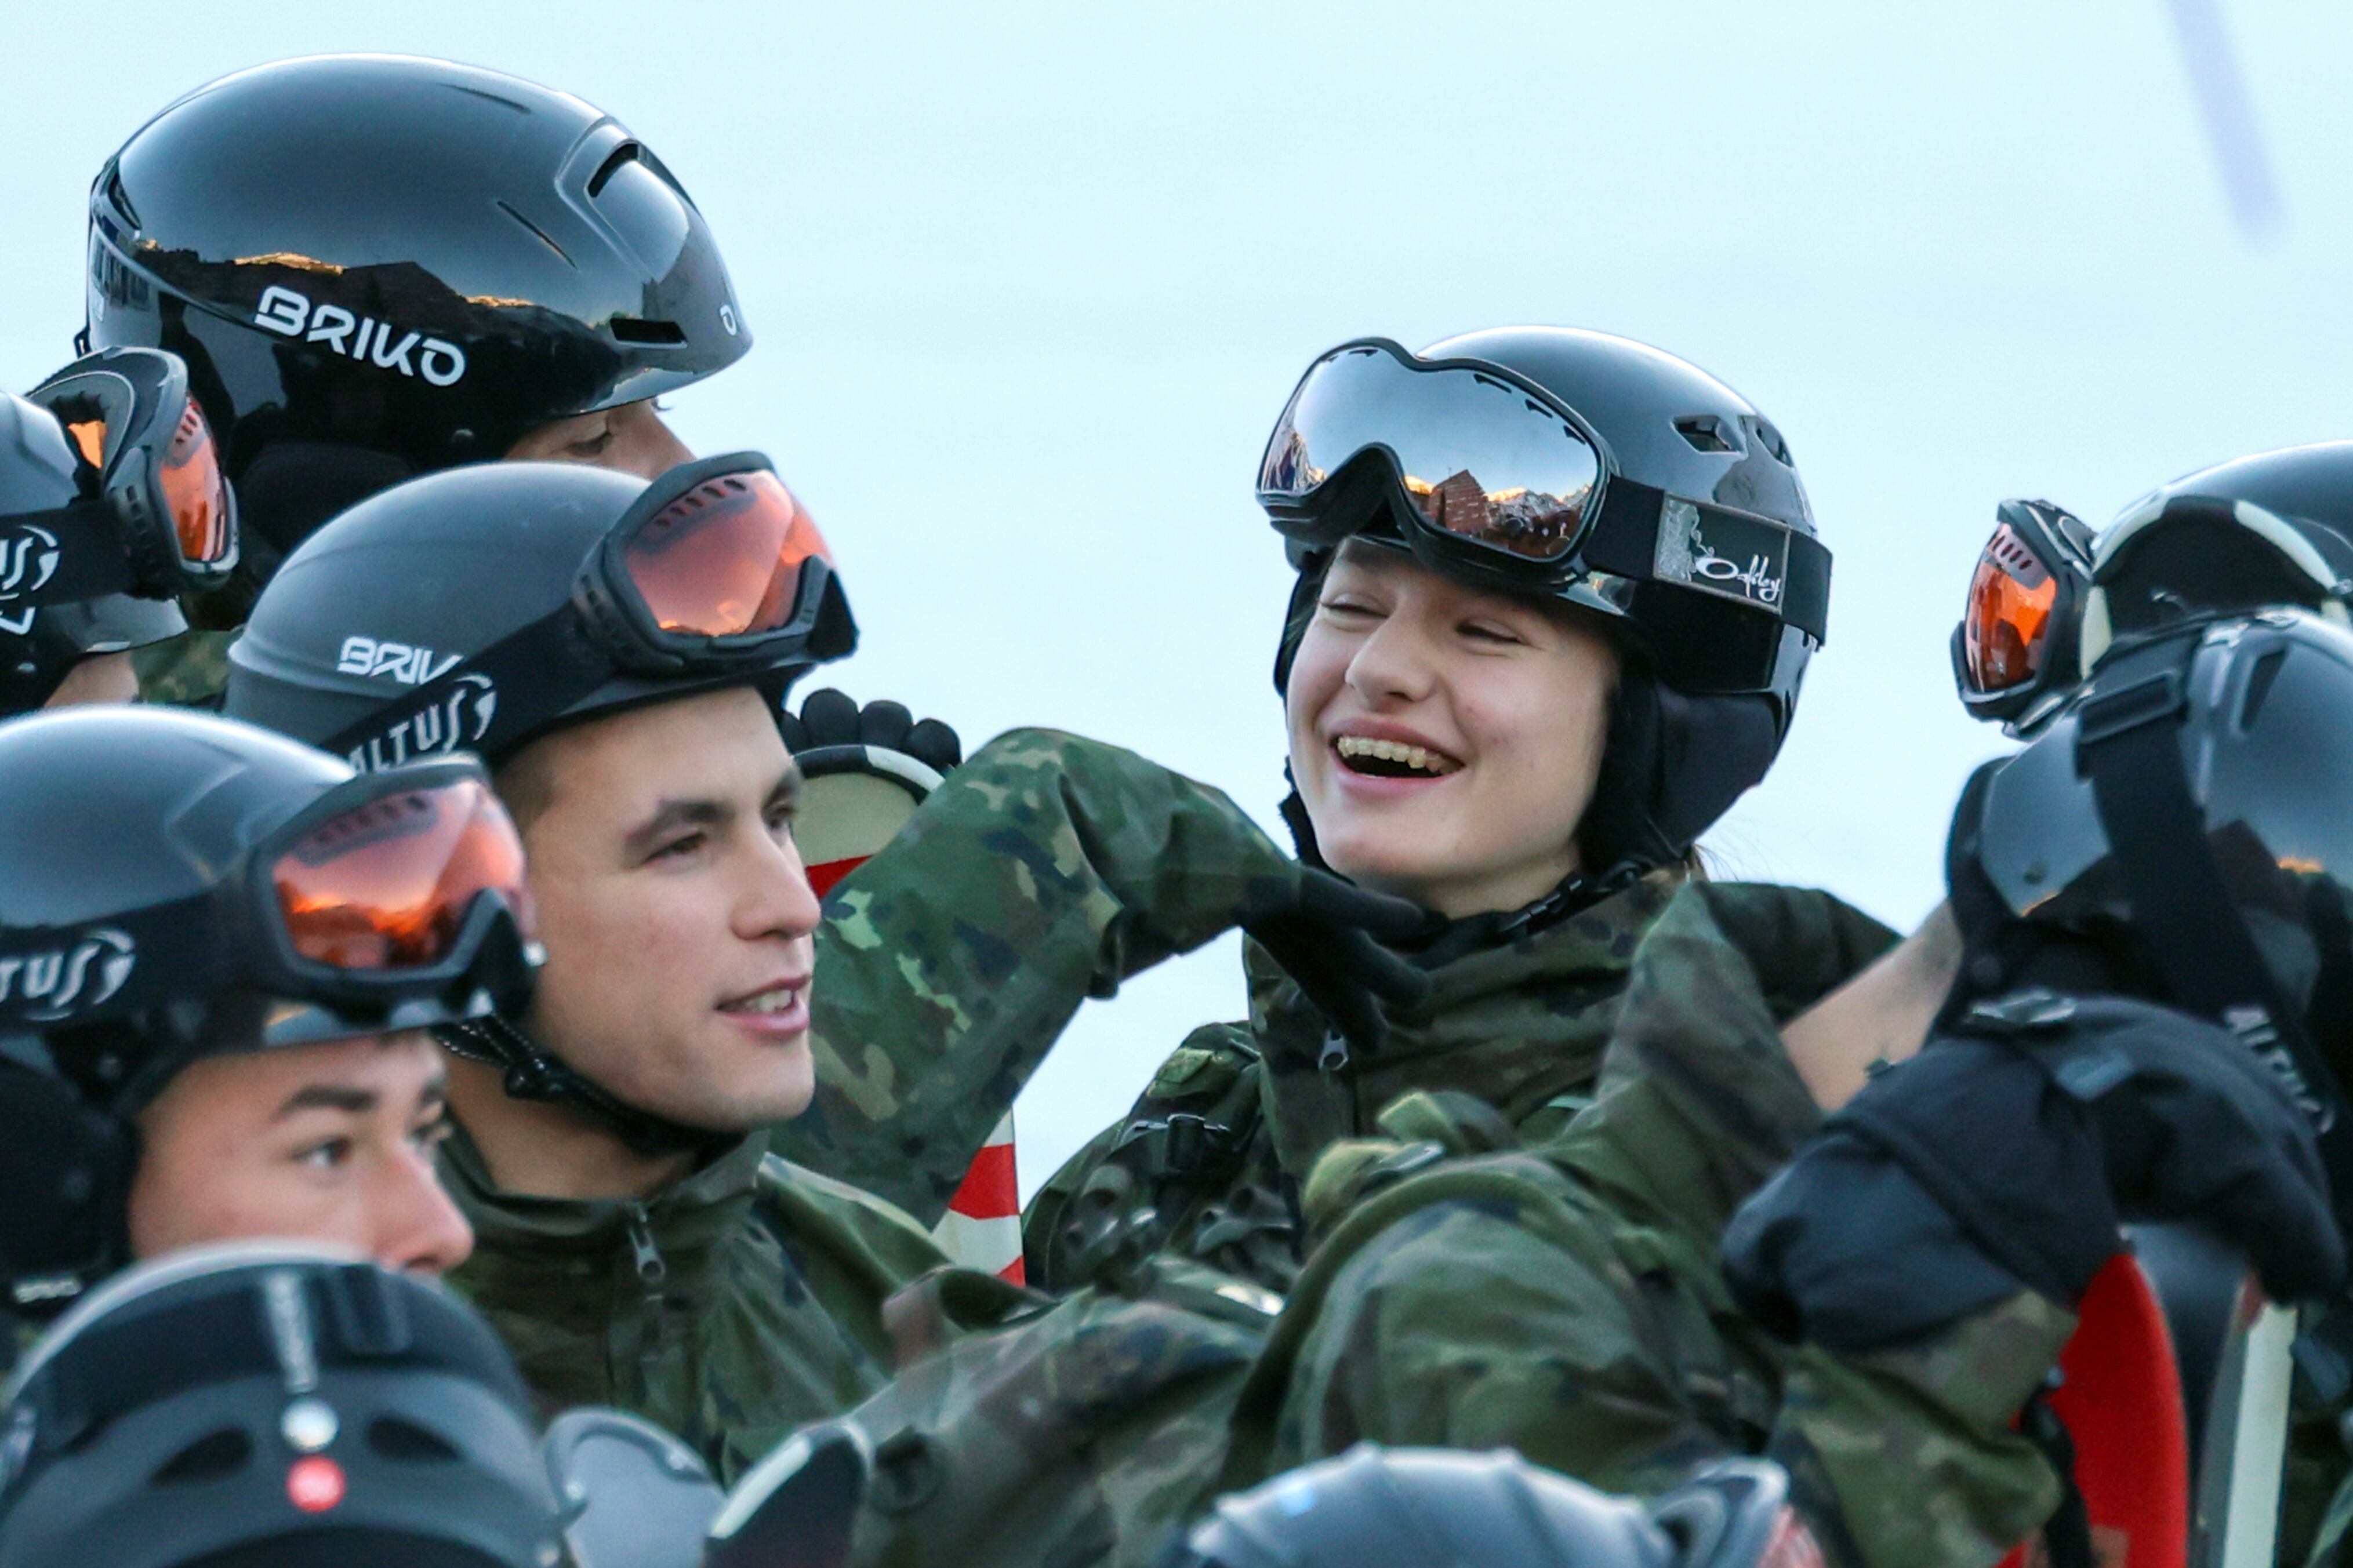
1557,591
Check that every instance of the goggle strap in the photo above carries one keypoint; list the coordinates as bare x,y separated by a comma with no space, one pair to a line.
2128,745
91,561
480,704
53,975
1765,563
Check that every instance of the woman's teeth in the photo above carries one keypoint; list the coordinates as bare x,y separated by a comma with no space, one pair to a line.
1402,759
776,1001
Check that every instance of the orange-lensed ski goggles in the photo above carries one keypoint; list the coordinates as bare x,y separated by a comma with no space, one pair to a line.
715,569
156,519
2014,653
393,901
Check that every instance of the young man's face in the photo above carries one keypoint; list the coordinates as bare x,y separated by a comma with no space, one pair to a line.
677,916
331,1142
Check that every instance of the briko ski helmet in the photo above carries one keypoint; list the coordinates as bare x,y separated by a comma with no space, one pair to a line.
378,266
483,608
175,886
93,467
261,1405
2049,599
1592,469
2183,831
1373,1507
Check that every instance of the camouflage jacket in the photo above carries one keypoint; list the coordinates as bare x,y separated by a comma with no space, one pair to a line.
729,1307
190,671
1568,1301
1219,1144
1045,870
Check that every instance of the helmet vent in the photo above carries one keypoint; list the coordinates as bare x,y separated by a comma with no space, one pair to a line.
1769,438
630,329
209,1459
2259,687
407,1442
626,153
1706,433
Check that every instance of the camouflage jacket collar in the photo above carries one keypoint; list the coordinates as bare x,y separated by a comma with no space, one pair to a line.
1519,1024
683,1224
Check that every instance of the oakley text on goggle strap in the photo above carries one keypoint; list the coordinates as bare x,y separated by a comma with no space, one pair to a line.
1503,475
715,568
162,522
392,892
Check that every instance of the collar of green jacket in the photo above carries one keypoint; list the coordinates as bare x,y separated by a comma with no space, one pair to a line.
1698,1101
682,1223
1519,1024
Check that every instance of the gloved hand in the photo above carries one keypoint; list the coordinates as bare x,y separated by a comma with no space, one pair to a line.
830,718
2010,1152
1327,935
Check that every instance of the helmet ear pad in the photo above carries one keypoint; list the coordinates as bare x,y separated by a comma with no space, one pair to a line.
290,488
1672,766
67,1169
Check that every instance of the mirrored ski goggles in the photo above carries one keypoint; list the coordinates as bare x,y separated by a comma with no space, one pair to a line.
2014,650
1472,464
714,570
162,522
394,900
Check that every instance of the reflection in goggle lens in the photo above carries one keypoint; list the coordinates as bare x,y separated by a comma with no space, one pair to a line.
1481,458
724,559
388,885
194,490
2008,618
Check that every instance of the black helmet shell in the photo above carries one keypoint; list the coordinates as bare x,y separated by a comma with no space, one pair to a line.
2265,732
510,255
267,1404
418,576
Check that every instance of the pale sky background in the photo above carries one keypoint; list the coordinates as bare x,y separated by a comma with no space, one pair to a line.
1030,282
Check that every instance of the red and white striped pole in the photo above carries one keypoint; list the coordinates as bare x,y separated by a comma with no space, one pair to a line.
982,1228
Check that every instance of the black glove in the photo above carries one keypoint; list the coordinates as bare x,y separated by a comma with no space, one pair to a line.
829,718
2008,1153
1327,934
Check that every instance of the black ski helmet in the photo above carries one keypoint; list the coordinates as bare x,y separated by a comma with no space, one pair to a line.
39,645
1678,755
259,1405
137,850
377,265
2183,832
1418,1507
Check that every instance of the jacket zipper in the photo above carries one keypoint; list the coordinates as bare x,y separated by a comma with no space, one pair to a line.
652,1272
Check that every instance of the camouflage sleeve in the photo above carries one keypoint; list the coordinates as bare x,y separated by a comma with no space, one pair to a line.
190,671
1699,1103
1045,870
1480,1324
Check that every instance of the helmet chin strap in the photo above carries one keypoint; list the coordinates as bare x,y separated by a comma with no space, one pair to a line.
531,1072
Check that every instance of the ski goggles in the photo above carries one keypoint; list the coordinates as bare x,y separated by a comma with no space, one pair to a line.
2014,652
714,571
394,900
162,522
1479,468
